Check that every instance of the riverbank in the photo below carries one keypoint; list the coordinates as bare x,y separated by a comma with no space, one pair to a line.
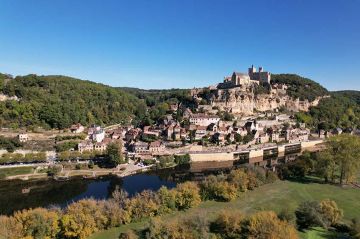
278,196
31,172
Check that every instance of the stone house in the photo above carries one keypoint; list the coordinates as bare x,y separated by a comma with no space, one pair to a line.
200,132
85,146
77,128
156,147
262,138
203,119
140,147
100,146
187,113
131,134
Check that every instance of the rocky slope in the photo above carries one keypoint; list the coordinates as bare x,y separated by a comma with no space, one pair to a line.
247,100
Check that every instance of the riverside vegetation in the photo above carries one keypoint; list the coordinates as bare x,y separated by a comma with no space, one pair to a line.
81,219
85,217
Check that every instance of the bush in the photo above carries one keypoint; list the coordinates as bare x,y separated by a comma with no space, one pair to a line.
187,195
308,215
182,159
129,234
66,146
325,213
228,224
10,144
268,225
38,223
213,188
355,228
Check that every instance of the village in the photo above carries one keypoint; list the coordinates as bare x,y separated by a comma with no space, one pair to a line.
206,133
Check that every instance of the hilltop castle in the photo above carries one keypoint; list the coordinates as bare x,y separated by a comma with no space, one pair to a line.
253,76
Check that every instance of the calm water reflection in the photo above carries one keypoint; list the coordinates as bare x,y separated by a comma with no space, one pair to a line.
49,192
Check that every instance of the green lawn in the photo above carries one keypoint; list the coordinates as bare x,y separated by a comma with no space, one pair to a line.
276,196
5,172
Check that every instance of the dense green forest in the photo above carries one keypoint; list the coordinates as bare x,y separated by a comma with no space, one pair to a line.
159,101
59,101
299,87
341,109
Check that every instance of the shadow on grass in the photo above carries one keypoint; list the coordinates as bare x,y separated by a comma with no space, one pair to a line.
307,180
319,233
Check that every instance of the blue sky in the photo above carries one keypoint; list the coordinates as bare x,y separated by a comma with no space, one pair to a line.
181,43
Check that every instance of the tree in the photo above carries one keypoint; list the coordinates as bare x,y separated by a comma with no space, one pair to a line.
330,211
213,188
38,223
83,218
267,225
10,228
308,214
144,204
345,149
240,179
172,229
167,200
325,166
114,154
187,195
228,224
237,137
248,138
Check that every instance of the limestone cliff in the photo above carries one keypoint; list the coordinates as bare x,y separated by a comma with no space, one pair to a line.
244,101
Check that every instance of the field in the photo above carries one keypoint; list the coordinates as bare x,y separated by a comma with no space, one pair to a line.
278,196
5,172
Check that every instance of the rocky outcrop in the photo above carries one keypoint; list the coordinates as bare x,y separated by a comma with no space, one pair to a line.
6,97
243,101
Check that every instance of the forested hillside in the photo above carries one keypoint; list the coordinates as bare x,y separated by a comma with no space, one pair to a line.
299,87
341,109
59,101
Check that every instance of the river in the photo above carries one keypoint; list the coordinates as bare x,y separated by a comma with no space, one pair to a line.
17,195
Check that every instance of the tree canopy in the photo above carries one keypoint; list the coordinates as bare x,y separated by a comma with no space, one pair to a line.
299,87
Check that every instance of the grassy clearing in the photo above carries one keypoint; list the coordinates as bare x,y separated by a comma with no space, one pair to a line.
5,172
321,233
277,196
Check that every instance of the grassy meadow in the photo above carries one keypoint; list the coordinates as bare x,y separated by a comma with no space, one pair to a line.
277,196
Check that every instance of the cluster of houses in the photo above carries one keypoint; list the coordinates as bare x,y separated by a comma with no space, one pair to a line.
96,139
156,139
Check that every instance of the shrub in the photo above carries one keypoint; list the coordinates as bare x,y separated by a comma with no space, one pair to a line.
144,204
355,228
240,179
228,224
330,212
308,215
187,195
129,234
267,225
38,223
